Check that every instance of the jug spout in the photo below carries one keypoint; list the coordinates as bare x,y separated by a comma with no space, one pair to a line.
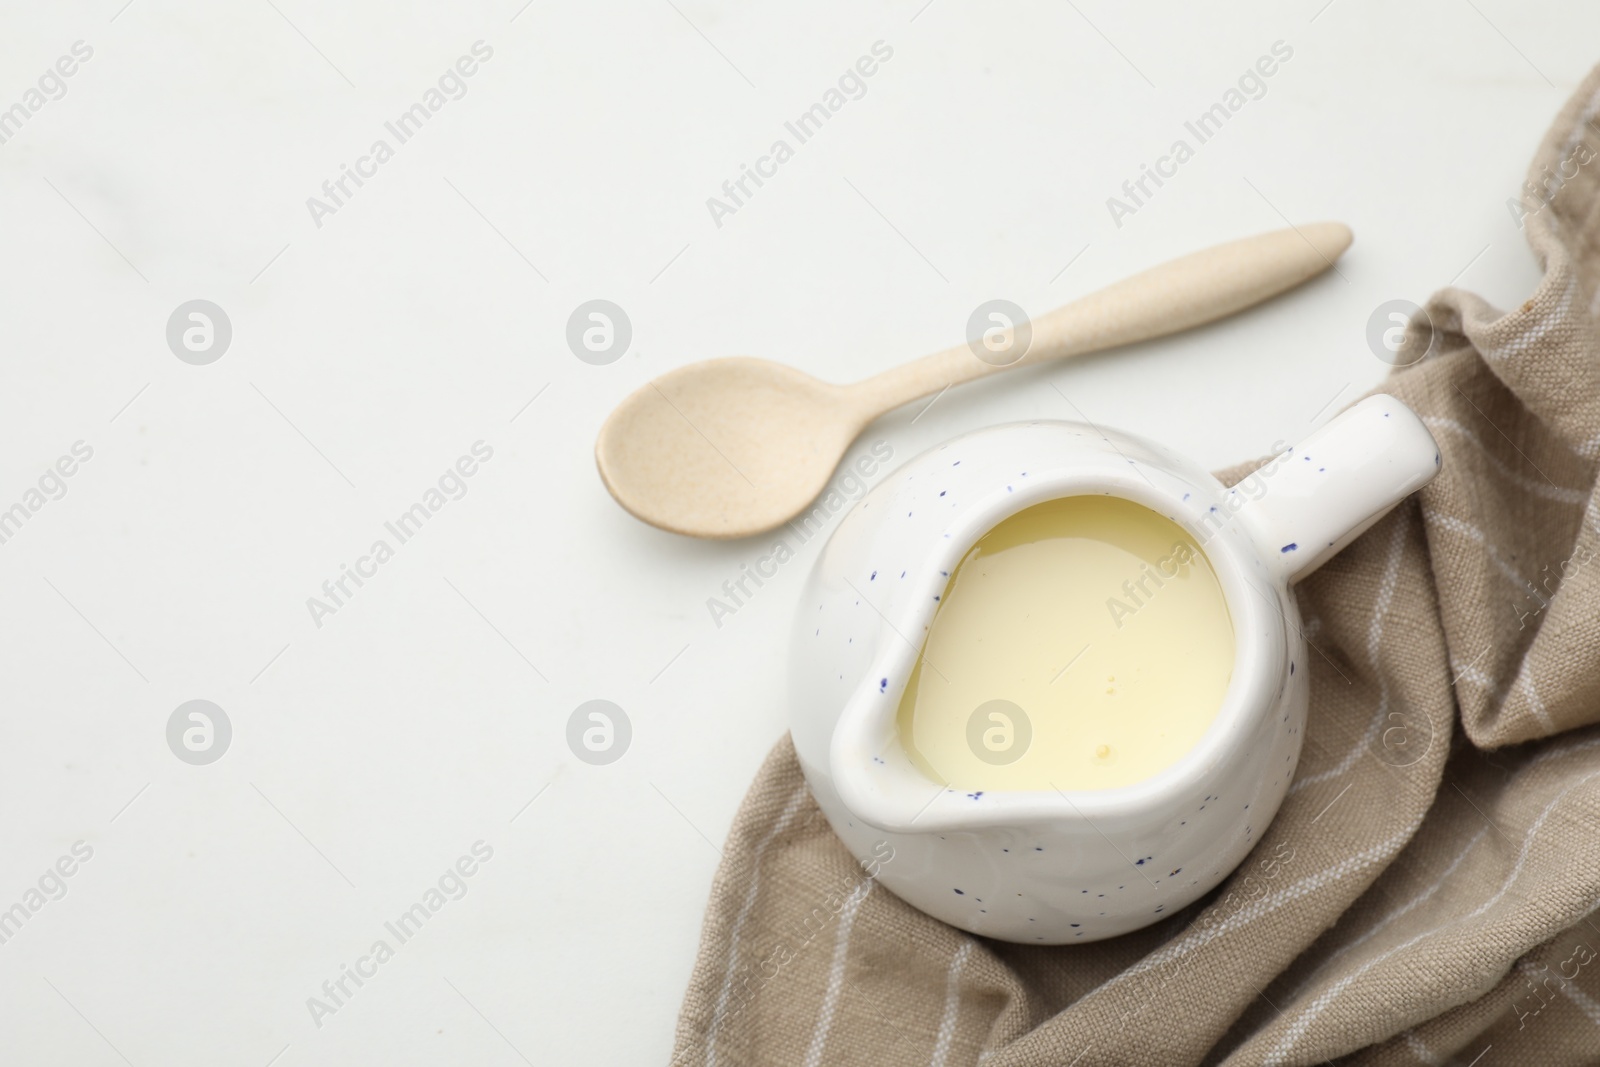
1311,501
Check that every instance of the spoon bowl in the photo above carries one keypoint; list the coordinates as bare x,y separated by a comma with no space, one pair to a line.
727,447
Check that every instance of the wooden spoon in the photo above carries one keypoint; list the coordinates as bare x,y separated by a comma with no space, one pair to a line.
733,447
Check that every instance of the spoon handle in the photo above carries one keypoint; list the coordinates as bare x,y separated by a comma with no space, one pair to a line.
1190,291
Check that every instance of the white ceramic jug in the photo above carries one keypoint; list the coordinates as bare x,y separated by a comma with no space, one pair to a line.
1048,866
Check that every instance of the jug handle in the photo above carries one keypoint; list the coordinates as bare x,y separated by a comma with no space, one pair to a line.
1306,504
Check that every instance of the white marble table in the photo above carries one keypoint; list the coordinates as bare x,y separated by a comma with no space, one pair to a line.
381,332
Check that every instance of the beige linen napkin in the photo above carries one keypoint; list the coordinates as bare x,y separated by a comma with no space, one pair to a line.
1426,913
